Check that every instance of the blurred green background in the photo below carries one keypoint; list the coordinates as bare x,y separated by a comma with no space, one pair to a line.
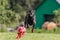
12,12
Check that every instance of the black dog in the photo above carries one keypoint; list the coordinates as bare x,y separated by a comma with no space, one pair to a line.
30,19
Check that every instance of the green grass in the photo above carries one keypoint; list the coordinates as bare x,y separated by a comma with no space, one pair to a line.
30,36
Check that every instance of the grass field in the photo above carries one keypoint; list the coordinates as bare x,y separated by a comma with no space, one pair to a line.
30,36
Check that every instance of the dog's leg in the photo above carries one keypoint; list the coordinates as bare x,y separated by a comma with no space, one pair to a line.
33,28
